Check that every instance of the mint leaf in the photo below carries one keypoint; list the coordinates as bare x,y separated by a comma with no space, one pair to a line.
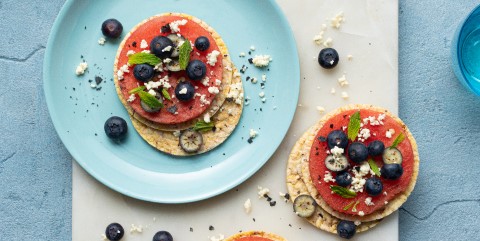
348,206
203,126
166,94
399,139
143,58
149,100
343,192
354,126
374,167
136,90
184,56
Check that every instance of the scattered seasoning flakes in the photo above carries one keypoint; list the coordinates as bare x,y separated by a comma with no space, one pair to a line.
273,203
134,44
172,109
322,139
254,219
191,229
211,228
250,60
98,80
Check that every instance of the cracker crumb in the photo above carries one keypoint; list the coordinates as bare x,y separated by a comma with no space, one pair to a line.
337,21
101,41
349,57
345,95
320,109
136,229
328,43
248,206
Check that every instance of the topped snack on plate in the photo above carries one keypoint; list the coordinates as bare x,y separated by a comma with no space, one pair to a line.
357,165
255,236
174,76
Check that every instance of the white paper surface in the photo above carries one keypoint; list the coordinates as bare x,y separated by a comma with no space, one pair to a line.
370,35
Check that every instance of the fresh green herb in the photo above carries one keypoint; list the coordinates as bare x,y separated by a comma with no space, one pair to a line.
354,209
143,58
374,167
348,206
399,139
149,100
184,56
203,126
136,90
354,126
166,94
343,192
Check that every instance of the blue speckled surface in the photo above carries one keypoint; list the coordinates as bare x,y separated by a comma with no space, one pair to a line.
35,168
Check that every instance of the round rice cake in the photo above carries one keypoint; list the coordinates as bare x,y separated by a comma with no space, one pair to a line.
255,236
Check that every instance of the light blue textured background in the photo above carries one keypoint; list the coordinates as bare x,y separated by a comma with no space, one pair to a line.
35,168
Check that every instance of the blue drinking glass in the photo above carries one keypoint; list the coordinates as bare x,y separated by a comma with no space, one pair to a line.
466,51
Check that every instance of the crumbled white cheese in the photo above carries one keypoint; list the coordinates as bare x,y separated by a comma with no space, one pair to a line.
262,191
81,68
358,181
368,201
333,91
213,90
93,85
219,82
254,80
248,206
130,52
261,60
205,81
177,133
136,229
120,74
337,151
318,39
212,57
158,67
168,48
264,99
220,237
264,77
349,57
386,202
261,94
252,48
364,134
183,91
357,222
328,177
167,60
143,44
104,237
206,118
175,25
345,95
203,100
328,43
337,21
253,133
361,213
389,133
131,98
385,193
342,81
321,109
242,54
102,41
236,93
152,92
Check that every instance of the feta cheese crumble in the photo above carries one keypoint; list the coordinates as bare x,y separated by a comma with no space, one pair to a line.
143,44
262,191
261,60
206,118
248,206
318,39
220,237
320,109
389,133
328,177
261,94
175,25
252,48
345,95
102,41
136,229
337,21
264,77
342,81
80,70
253,133
368,201
213,90
130,52
212,57
328,43
361,213
131,98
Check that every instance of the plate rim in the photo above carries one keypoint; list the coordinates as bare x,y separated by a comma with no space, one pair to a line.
74,152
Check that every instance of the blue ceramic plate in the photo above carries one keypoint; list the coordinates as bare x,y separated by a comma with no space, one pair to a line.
133,167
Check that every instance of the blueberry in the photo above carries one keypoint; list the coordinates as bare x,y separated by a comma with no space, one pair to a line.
376,148
114,232
112,28
346,229
202,43
116,128
184,91
391,171
373,186
337,138
162,236
143,72
357,152
328,58
343,179
196,70
160,47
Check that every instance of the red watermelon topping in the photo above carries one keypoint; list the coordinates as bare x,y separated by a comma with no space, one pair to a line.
378,123
182,111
